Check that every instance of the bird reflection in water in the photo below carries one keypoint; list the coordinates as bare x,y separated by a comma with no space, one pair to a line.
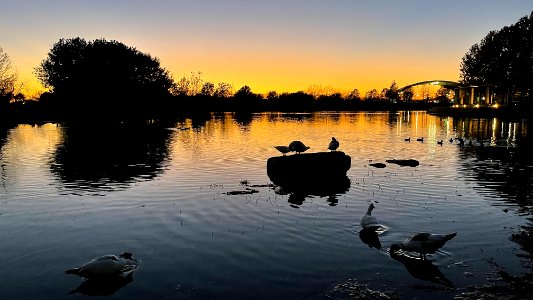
370,236
421,268
106,286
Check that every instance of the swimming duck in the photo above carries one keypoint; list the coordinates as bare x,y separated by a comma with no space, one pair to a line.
106,265
283,149
298,147
420,139
333,145
439,142
368,221
423,243
408,139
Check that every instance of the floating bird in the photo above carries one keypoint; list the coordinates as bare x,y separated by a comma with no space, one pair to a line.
333,145
439,142
106,265
451,140
420,139
368,221
423,243
298,147
408,139
283,149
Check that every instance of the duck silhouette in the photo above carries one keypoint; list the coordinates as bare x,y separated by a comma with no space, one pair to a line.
333,145
283,149
106,265
420,139
423,243
408,139
368,221
298,147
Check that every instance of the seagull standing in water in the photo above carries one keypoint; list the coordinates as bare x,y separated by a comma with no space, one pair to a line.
283,149
106,265
368,221
423,243
333,145
298,147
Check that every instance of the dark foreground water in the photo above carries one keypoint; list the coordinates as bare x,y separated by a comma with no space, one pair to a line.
170,193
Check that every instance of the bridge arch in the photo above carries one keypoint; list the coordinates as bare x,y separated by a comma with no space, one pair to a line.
444,83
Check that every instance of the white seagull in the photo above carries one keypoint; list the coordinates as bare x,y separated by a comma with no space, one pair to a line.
298,147
333,145
283,149
106,265
368,221
423,243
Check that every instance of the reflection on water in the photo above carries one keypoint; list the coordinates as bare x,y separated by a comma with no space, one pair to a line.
202,241
421,268
102,286
106,157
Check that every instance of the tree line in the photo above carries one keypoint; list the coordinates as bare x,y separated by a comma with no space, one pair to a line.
504,59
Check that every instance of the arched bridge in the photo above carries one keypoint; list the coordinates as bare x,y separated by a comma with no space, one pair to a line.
443,83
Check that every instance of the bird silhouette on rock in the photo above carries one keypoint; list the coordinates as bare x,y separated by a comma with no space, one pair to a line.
298,147
333,145
283,149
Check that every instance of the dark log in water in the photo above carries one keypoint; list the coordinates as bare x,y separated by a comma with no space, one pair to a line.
321,173
404,162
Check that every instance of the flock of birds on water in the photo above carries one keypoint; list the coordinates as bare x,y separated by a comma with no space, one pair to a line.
108,267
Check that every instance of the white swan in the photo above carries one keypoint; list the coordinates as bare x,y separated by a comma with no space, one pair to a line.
333,145
423,243
283,149
298,147
368,221
106,265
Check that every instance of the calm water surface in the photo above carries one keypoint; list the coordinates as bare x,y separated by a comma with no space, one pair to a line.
163,192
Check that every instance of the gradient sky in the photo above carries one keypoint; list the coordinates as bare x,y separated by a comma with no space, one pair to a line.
282,45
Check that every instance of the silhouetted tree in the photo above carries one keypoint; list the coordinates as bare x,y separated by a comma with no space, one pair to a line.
392,92
103,78
503,58
407,94
208,89
372,95
246,100
8,77
223,90
354,95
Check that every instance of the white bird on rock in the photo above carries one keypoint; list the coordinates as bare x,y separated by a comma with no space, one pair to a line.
298,147
106,265
333,145
423,243
368,221
283,149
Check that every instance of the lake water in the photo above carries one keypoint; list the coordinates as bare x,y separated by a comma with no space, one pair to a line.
164,191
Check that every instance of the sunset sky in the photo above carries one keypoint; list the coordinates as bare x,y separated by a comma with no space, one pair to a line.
278,45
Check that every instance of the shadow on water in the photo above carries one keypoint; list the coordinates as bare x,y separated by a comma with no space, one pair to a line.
370,237
102,286
109,157
421,269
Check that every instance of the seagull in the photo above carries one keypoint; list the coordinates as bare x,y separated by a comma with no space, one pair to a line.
423,243
368,221
283,149
333,145
106,265
298,147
